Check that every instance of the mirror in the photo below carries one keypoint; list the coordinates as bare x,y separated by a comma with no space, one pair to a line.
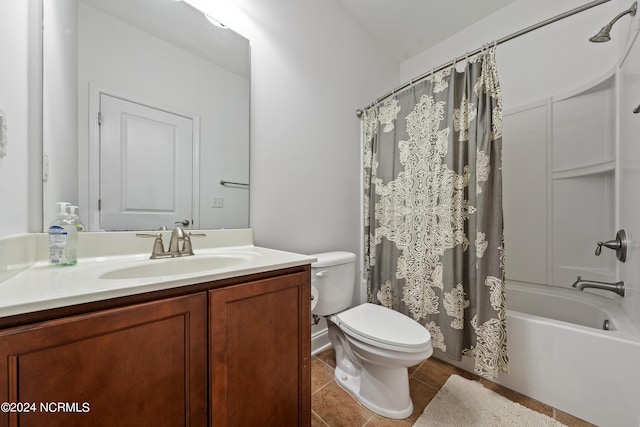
145,115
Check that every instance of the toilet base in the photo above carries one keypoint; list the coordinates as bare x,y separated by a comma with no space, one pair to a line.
399,393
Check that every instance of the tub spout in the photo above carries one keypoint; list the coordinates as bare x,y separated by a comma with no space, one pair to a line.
617,287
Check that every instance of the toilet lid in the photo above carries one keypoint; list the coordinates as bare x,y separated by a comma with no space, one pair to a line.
383,325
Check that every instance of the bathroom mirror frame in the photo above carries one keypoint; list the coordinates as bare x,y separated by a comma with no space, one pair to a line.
216,95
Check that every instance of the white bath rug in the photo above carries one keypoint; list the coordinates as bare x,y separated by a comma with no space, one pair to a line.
462,402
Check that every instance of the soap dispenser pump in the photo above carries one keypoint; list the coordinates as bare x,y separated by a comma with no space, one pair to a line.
63,238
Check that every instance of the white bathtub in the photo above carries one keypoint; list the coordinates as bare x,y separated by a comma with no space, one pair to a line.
560,355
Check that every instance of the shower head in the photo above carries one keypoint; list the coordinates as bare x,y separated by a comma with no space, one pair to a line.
604,34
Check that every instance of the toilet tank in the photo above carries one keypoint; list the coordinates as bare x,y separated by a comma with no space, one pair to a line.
334,277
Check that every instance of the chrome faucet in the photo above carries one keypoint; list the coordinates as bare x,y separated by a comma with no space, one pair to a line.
177,235
617,287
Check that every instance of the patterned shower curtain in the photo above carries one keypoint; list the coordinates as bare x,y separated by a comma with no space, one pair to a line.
433,210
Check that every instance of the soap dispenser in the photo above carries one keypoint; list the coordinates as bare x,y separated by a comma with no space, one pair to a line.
76,219
63,238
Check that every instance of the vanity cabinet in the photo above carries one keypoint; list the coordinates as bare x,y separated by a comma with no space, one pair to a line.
259,356
141,365
232,352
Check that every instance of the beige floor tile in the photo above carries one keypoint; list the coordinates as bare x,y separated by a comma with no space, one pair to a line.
435,372
328,357
421,395
378,421
316,421
336,407
321,374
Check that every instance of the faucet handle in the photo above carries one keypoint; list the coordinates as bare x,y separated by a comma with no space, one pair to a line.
158,245
619,245
187,248
599,248
154,235
190,234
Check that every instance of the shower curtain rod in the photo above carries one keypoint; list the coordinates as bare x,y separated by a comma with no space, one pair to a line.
479,50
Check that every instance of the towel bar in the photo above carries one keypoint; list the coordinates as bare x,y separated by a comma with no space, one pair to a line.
225,183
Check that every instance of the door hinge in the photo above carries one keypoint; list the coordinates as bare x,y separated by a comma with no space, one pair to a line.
99,204
99,118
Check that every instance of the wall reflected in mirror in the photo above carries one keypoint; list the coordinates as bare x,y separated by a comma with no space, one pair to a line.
146,112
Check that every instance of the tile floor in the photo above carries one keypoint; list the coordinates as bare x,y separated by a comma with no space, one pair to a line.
331,406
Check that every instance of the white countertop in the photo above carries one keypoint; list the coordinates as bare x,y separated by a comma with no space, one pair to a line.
39,286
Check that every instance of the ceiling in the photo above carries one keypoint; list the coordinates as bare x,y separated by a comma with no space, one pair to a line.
183,25
407,27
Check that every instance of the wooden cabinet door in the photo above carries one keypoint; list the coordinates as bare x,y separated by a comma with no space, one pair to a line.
260,353
141,365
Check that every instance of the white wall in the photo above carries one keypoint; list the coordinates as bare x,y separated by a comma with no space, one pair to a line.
14,95
312,67
539,64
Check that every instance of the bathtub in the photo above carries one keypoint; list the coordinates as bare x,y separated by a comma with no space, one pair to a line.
560,354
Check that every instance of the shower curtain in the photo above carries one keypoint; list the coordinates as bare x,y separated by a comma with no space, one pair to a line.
433,210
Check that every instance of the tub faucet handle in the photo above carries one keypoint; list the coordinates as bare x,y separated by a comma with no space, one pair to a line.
619,245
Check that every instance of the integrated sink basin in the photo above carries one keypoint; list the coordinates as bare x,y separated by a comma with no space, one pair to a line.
176,266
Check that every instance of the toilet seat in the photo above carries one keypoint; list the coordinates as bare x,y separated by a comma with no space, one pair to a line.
383,327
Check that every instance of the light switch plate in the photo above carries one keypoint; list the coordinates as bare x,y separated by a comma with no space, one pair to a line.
217,202
3,134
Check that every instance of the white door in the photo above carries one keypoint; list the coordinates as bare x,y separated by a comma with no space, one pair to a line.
146,166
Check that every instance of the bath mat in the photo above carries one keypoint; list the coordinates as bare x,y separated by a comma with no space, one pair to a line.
462,402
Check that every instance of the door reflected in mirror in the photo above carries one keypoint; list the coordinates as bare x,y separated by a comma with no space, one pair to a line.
146,112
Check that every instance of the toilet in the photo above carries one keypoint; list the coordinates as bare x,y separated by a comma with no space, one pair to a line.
374,345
